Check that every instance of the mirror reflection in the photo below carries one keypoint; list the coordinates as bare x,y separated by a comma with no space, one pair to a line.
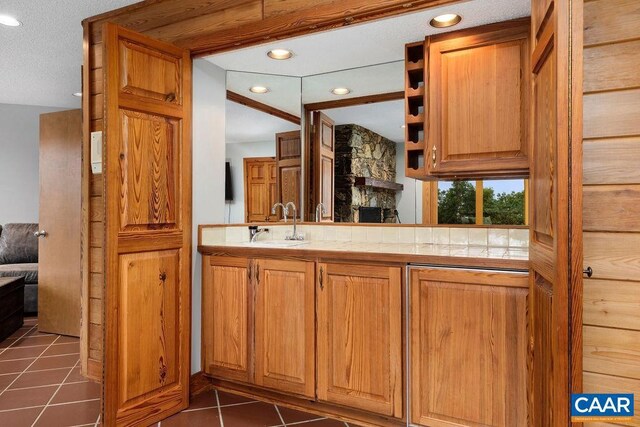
263,145
355,128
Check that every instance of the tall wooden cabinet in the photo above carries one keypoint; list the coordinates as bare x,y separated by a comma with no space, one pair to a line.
360,337
468,347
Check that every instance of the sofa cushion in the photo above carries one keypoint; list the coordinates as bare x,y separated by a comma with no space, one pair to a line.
28,271
18,244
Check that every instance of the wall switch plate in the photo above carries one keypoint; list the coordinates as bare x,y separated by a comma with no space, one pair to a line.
96,152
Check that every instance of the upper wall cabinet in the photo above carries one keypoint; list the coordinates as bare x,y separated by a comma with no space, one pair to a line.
477,103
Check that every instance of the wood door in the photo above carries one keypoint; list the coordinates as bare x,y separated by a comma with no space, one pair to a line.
324,163
359,357
147,167
479,100
555,236
227,318
285,326
289,172
59,260
259,188
468,347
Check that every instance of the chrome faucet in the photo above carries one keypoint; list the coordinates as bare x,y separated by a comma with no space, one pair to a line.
320,208
254,232
294,235
285,211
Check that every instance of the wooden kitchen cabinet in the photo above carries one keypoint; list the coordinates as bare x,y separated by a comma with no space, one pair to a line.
227,321
477,103
359,334
285,326
468,347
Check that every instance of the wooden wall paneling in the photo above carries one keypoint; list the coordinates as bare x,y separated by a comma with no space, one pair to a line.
612,161
612,303
611,185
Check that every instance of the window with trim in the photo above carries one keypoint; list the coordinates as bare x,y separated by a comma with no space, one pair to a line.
482,202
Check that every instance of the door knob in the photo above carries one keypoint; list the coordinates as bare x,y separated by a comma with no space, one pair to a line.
41,233
588,272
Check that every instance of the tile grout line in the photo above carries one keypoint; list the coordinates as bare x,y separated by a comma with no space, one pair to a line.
35,370
25,369
53,404
54,393
279,414
40,357
18,339
219,408
33,346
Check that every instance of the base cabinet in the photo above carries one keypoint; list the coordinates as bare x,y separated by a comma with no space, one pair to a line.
468,348
360,337
285,326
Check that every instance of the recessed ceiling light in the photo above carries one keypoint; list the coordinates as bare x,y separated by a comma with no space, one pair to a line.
403,126
280,54
259,89
78,94
341,91
446,20
9,21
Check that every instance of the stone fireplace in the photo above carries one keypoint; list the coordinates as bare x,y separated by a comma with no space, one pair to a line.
361,153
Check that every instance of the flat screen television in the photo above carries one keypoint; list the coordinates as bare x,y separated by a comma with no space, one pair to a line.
228,186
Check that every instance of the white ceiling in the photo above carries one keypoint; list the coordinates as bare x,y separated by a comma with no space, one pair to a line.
284,92
383,118
365,44
244,124
40,60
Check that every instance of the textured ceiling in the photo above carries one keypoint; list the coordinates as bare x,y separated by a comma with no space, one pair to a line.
40,60
366,44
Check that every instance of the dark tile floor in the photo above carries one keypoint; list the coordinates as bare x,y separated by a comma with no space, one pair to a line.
41,385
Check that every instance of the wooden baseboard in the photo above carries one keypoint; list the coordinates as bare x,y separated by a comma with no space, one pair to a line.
198,384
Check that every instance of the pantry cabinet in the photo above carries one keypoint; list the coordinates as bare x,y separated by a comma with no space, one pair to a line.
360,337
468,347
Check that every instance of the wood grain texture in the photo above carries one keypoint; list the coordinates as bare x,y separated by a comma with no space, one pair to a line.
612,161
609,21
612,66
360,337
612,303
323,164
451,381
227,318
285,326
612,114
479,100
59,253
259,106
610,255
289,169
147,168
612,208
616,353
259,188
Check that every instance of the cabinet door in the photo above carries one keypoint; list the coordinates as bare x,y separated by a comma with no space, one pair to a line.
479,101
285,326
360,337
226,321
468,348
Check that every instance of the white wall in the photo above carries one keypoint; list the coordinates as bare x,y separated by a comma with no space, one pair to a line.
406,199
235,154
209,95
19,148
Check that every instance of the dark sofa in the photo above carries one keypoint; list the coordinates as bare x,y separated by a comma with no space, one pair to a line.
19,257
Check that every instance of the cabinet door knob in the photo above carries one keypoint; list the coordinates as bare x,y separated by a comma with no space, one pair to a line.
434,152
321,278
41,233
588,272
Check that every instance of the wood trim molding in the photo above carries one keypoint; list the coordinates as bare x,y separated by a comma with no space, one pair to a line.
256,105
359,100
199,384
